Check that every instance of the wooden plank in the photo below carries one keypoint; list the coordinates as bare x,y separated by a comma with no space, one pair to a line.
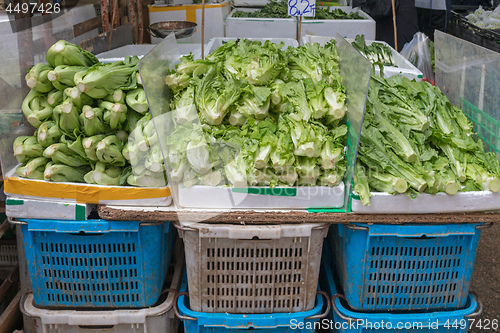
86,26
105,15
5,225
121,36
12,279
11,316
140,22
278,217
132,15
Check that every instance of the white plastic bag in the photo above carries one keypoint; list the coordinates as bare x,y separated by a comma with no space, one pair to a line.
417,52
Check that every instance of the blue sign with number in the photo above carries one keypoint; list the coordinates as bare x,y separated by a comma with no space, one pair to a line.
301,8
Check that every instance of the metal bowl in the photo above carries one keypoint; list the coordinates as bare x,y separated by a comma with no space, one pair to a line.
182,29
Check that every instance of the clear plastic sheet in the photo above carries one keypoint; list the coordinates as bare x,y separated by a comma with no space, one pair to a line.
356,72
470,76
21,47
468,71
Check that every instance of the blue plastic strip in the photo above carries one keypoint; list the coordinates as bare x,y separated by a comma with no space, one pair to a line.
419,230
89,226
243,321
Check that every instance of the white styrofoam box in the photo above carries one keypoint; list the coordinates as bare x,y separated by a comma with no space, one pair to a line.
250,3
141,50
260,27
301,197
384,203
155,319
119,53
345,28
404,69
47,210
215,13
217,42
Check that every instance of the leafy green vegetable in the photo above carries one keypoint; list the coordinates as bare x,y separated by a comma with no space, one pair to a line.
64,173
36,108
413,140
101,80
26,147
34,169
37,78
65,53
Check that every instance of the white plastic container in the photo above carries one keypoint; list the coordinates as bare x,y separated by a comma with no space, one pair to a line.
300,197
404,69
252,268
385,203
259,27
156,319
345,28
217,42
52,210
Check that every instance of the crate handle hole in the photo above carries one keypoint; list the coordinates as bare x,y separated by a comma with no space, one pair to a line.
96,327
83,233
421,237
255,238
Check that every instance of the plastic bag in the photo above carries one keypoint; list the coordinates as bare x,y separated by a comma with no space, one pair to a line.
418,53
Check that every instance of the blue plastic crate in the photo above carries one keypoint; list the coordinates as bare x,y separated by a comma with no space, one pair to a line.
298,322
97,263
404,267
343,319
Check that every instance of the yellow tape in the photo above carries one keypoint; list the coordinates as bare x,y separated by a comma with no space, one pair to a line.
191,15
156,9
80,192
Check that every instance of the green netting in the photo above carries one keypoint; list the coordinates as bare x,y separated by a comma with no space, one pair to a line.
486,127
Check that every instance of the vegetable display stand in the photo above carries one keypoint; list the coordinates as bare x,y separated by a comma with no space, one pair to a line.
155,319
347,28
405,267
97,263
252,269
251,27
200,322
345,320
207,170
403,67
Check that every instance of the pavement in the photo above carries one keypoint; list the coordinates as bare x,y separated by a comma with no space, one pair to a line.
486,280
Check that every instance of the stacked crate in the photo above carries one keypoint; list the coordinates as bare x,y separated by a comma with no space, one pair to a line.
92,269
414,275
242,277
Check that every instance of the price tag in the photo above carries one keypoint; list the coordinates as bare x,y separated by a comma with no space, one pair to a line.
302,8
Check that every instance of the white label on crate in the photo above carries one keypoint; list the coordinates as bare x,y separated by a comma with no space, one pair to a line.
302,8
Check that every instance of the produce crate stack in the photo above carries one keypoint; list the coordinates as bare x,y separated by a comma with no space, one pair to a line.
242,277
269,19
343,315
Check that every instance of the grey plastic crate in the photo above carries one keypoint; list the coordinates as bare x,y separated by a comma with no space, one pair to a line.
8,253
252,268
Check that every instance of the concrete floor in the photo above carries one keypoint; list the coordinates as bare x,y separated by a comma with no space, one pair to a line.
486,277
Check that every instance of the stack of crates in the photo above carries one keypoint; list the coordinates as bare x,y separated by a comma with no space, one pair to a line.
244,277
408,278
104,276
